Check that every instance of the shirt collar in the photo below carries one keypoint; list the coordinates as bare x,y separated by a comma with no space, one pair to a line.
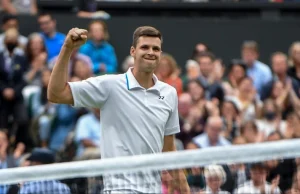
132,83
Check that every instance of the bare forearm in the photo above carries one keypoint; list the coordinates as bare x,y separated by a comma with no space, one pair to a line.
59,76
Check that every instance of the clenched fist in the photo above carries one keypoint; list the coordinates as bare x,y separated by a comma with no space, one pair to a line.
75,38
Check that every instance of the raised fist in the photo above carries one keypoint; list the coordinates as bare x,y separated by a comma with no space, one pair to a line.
75,38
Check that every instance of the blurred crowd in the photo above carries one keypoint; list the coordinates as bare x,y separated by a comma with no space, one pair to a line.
245,101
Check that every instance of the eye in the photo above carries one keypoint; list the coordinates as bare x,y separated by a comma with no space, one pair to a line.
156,49
144,47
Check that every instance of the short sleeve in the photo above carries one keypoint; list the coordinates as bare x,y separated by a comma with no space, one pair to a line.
172,125
91,93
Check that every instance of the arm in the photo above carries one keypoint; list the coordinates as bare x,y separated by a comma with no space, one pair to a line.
33,9
59,90
179,181
8,6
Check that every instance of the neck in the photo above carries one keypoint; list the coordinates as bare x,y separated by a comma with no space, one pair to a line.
143,78
51,34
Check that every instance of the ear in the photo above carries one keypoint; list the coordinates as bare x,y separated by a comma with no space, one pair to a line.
132,51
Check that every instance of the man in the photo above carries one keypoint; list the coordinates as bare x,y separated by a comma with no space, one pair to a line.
53,39
212,136
258,71
139,114
280,66
40,156
11,21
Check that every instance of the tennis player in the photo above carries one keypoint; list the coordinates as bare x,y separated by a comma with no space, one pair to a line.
139,113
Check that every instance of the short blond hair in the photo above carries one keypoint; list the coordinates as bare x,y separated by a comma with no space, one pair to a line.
215,171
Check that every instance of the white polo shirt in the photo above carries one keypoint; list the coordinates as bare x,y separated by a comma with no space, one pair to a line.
134,121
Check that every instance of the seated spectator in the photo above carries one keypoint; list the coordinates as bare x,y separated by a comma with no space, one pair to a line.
258,182
37,57
42,112
258,71
249,133
247,100
236,74
296,182
20,6
75,56
99,50
81,70
11,21
12,69
53,39
168,72
294,56
43,156
271,119
199,48
231,119
212,136
89,9
192,72
127,63
87,132
215,177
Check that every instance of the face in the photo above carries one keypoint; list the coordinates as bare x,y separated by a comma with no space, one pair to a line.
258,176
238,72
206,66
246,86
274,137
279,64
249,56
201,48
296,53
277,89
184,105
97,32
12,23
228,109
196,91
214,182
46,77
47,24
36,45
164,68
146,54
81,70
214,129
250,133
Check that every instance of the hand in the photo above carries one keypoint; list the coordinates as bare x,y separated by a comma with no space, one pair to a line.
8,93
275,183
75,38
179,183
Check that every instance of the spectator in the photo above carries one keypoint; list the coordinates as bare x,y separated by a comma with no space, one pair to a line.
81,70
127,63
192,73
99,50
41,156
215,177
12,69
258,183
11,21
209,77
37,58
168,72
87,133
53,39
89,9
75,56
296,182
236,74
212,136
199,48
279,62
294,57
249,133
20,6
42,112
258,71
